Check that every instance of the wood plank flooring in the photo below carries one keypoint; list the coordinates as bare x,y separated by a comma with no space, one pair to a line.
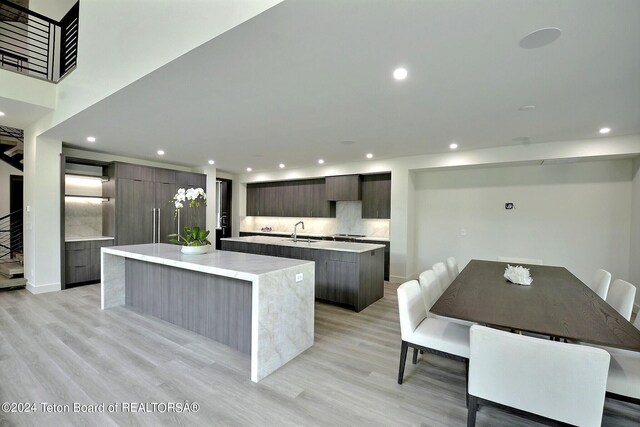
61,348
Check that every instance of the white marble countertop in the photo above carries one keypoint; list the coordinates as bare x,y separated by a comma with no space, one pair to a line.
86,239
328,245
317,235
222,263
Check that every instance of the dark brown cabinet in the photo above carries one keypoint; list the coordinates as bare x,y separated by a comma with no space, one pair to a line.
140,209
376,196
82,261
300,198
349,278
342,187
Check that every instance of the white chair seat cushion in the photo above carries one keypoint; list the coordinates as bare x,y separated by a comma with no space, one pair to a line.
624,373
441,335
466,323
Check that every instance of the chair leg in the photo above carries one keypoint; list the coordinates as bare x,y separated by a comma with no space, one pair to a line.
403,359
415,356
471,410
466,383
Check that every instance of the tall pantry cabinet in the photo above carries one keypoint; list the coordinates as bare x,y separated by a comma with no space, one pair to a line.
140,209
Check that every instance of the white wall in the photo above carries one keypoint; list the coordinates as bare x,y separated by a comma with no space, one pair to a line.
634,255
576,215
120,41
41,212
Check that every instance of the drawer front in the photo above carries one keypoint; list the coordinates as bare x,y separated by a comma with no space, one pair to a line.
101,243
78,274
79,257
73,246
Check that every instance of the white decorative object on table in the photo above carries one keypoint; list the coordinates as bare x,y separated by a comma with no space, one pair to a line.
518,275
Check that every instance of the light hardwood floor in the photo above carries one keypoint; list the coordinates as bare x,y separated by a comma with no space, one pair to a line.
61,348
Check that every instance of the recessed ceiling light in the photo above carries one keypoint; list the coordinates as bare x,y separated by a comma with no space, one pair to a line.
400,73
369,156
605,131
1,114
160,153
91,138
527,108
349,142
453,145
539,38
281,165
211,162
321,161
249,169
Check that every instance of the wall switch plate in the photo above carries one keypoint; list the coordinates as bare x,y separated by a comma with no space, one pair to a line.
299,277
508,206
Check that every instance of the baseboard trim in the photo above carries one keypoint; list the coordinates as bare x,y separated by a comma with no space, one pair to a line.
42,289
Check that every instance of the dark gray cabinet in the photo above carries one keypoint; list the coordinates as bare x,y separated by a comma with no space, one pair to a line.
134,211
343,187
349,278
299,198
376,196
140,209
82,261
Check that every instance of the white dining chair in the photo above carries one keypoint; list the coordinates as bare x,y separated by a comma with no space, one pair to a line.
427,334
452,268
552,380
600,283
621,296
443,275
430,289
512,260
623,382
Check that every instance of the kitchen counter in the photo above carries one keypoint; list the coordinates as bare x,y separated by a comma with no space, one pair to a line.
314,244
260,305
68,239
316,235
346,273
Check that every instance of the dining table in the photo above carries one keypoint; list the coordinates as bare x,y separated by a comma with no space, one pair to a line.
556,304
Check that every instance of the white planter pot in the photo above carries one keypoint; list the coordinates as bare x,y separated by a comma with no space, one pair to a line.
194,250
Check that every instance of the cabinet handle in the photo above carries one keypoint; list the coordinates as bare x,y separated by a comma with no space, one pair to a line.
153,228
158,229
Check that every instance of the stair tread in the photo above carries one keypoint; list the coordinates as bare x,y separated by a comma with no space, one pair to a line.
10,283
11,269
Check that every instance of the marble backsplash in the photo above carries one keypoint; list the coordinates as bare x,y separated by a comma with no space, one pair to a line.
83,218
348,220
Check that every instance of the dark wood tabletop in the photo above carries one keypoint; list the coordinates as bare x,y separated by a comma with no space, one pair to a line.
557,304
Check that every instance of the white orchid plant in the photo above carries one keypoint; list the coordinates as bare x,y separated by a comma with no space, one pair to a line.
193,198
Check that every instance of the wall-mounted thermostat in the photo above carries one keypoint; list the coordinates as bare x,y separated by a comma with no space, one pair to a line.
509,206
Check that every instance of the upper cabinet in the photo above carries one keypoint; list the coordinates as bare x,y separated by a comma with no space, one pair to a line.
343,187
301,198
376,196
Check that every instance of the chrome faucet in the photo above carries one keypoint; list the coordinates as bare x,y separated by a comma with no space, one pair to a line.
295,230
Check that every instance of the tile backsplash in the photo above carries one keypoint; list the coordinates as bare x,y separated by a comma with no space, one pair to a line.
83,218
348,220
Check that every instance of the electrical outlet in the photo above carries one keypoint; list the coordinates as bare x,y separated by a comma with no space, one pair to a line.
299,277
463,231
509,205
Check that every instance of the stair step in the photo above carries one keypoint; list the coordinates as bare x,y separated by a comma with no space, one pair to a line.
12,283
11,269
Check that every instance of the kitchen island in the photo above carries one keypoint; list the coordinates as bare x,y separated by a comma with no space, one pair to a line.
346,273
259,305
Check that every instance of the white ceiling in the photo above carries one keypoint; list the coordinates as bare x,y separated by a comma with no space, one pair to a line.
291,84
20,114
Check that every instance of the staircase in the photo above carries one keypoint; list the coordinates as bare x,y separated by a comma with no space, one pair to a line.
11,258
12,146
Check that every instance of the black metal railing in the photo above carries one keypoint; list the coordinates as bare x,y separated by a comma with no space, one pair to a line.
11,241
33,44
